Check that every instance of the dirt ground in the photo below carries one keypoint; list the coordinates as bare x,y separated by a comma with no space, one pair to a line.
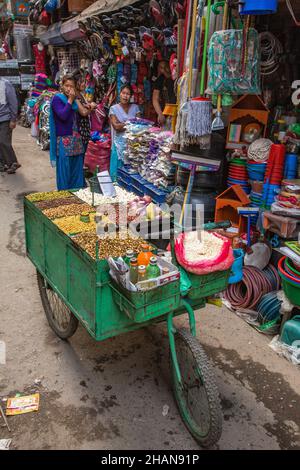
111,395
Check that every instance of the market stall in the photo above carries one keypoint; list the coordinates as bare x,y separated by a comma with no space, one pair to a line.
230,142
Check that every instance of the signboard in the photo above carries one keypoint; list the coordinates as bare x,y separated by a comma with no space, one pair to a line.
22,8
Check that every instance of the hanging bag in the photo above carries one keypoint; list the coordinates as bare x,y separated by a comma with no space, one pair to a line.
233,62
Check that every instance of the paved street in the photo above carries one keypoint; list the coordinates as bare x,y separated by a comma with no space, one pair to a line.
111,395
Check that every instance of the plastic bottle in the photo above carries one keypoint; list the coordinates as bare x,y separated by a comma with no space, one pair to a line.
142,273
281,130
128,257
144,256
133,271
153,270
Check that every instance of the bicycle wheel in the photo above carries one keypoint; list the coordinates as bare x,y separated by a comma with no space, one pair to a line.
197,396
59,316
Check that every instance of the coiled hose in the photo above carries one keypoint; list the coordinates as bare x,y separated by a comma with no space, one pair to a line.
269,308
255,283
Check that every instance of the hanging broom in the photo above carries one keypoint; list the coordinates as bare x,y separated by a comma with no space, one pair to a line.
182,85
217,123
200,109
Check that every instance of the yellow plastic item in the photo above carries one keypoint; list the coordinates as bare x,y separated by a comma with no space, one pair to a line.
216,302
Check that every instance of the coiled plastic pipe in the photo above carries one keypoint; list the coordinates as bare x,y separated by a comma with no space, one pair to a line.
255,283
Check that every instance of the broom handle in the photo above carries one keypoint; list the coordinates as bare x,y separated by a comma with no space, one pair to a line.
207,22
224,25
185,36
192,45
179,47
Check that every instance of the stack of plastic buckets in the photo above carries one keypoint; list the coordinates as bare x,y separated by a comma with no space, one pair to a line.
256,171
273,175
255,199
238,174
290,166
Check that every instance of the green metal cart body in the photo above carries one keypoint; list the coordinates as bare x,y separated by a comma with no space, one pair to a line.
84,286
84,283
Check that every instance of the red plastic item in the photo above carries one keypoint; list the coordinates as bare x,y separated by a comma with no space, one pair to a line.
294,279
98,154
275,166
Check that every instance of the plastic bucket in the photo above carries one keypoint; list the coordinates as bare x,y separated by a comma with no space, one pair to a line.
236,274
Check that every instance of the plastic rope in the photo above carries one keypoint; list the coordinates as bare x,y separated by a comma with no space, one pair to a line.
259,150
270,52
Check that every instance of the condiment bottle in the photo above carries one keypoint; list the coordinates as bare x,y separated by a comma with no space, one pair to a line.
144,256
153,270
142,273
133,271
128,257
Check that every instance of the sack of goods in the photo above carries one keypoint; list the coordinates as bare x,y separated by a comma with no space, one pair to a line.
203,254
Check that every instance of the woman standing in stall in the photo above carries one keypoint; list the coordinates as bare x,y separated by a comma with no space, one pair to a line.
66,145
119,114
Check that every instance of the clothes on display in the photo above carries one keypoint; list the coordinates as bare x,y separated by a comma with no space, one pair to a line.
40,58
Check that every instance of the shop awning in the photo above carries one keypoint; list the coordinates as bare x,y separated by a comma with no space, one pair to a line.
70,30
60,33
53,35
104,6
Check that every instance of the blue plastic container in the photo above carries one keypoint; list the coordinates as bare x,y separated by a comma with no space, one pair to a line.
258,7
137,191
291,166
236,274
139,182
124,184
158,195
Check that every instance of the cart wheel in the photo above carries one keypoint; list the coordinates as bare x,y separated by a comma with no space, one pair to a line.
197,397
59,316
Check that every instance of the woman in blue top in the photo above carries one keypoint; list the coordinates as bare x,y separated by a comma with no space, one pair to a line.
119,114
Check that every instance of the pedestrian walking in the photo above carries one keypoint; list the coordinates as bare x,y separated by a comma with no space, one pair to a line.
8,122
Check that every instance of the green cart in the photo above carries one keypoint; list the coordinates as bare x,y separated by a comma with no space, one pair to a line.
75,287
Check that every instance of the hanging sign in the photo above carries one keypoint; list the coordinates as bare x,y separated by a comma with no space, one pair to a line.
296,94
22,8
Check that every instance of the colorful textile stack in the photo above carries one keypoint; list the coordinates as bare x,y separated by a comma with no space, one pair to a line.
40,84
238,174
289,196
148,152
136,142
157,168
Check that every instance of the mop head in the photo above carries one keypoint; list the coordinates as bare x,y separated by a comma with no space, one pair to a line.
199,118
180,135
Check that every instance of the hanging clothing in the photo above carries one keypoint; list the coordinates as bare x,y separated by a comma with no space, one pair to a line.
117,138
66,147
40,59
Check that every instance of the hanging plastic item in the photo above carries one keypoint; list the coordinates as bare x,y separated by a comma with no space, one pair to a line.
233,62
51,5
258,7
